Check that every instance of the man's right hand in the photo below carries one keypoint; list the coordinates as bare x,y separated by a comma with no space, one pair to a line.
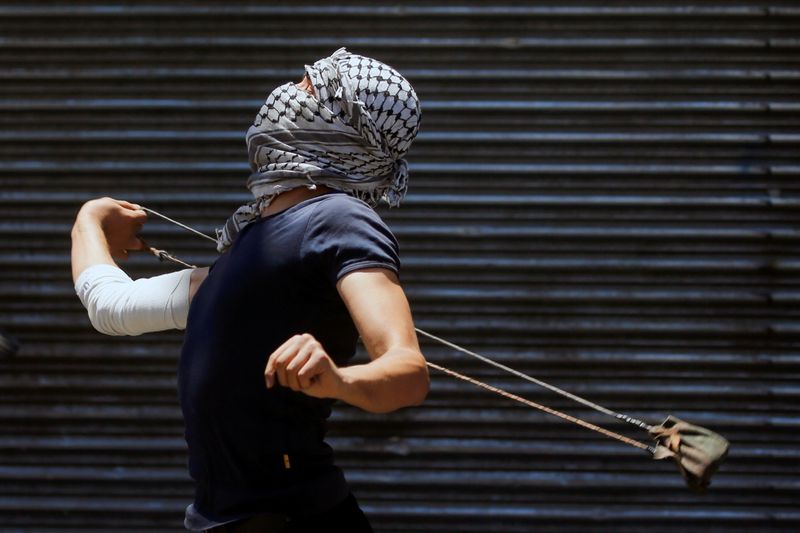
105,229
119,221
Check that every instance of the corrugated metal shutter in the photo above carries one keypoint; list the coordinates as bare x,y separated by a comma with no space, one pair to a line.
604,195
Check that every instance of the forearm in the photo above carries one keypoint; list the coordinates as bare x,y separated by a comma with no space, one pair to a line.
118,305
89,246
396,379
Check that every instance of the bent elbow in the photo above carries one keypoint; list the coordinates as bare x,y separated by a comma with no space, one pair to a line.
412,393
102,318
418,386
422,386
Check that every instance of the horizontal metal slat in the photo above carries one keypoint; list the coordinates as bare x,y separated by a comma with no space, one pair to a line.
476,11
106,43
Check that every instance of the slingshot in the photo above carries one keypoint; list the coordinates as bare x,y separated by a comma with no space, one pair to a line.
697,451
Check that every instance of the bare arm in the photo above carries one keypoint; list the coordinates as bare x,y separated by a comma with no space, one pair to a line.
395,377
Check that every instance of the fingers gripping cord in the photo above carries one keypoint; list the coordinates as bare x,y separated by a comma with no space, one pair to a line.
164,255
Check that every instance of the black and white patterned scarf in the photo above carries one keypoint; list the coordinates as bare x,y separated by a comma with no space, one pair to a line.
351,136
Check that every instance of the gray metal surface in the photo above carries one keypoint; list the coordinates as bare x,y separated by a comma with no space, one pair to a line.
604,195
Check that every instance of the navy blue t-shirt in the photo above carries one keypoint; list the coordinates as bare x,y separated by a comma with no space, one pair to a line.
277,280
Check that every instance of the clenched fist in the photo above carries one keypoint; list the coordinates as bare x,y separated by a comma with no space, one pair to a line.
119,221
302,364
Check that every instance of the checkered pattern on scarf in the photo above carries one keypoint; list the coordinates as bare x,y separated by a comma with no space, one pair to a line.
351,136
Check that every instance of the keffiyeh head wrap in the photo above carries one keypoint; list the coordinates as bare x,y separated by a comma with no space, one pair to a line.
351,136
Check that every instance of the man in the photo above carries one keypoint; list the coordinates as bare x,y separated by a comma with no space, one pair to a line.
308,268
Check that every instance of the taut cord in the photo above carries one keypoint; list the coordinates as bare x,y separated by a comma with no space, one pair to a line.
636,422
184,226
165,256
564,416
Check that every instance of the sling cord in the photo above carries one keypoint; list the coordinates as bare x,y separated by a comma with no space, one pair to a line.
165,256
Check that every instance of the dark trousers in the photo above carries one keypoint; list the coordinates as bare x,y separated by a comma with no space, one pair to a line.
346,516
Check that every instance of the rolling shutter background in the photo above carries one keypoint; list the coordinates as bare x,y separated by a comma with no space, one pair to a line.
603,194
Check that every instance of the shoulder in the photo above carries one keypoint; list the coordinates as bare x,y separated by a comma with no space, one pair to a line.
342,211
343,203
343,221
345,234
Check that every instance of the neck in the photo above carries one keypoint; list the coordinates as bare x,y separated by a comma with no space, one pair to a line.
295,196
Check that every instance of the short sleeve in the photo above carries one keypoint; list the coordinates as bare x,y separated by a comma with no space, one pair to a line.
344,234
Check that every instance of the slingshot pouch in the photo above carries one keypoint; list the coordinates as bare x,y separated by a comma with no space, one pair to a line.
697,451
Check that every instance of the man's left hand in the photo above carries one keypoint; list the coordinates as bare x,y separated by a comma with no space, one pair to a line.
302,364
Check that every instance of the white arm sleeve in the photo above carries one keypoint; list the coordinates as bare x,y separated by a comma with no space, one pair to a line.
118,305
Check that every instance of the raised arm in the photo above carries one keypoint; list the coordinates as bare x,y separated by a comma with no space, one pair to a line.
104,230
395,377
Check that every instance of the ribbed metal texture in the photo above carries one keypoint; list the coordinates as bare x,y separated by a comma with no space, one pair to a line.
604,195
